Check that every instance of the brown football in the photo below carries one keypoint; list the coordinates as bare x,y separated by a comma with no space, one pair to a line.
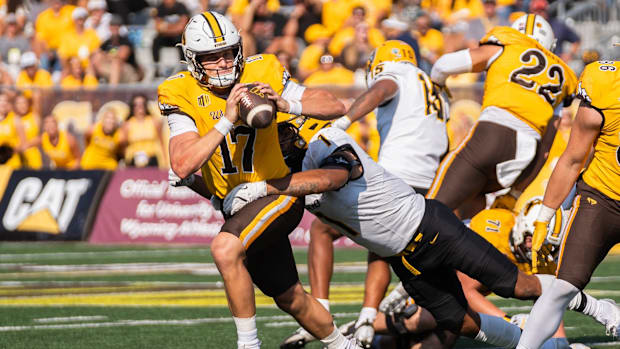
255,109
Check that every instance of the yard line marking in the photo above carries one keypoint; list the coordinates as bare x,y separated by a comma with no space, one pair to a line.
70,319
121,323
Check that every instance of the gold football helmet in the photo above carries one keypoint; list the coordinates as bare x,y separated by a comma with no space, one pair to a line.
389,51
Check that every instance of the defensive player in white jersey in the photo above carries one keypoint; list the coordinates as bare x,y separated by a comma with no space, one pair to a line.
524,83
423,240
411,120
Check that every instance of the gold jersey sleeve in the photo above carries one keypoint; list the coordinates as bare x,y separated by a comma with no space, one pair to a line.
526,79
599,87
247,154
495,226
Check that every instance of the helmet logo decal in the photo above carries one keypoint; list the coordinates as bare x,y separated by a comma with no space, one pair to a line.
214,25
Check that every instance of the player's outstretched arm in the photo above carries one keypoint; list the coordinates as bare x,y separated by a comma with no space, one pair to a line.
377,94
463,61
321,104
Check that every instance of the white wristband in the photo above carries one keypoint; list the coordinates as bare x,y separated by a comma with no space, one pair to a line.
545,214
342,123
224,126
294,106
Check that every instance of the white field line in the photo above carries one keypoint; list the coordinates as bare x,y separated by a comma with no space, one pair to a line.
103,254
123,323
48,320
282,324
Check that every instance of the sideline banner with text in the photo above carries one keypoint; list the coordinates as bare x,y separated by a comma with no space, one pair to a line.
140,207
49,205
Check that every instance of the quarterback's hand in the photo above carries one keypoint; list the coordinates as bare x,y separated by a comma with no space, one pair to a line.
176,181
242,195
541,251
232,111
281,103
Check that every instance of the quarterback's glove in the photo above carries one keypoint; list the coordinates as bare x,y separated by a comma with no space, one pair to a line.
176,181
342,123
541,251
395,301
242,195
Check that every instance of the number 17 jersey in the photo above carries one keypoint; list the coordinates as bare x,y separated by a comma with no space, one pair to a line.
526,79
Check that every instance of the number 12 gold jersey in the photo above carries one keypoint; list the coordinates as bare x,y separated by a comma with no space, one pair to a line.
526,79
246,154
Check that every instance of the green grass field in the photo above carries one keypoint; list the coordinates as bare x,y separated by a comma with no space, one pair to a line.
75,295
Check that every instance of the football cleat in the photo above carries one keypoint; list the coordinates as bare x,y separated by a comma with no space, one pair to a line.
608,314
298,339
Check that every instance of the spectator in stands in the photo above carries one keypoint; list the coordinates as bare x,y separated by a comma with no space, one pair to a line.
305,14
132,12
170,19
81,43
318,37
356,53
31,156
5,78
79,77
50,27
60,146
238,9
430,39
335,13
13,43
396,29
31,76
103,143
478,27
11,132
143,134
286,60
346,35
99,19
563,33
115,60
330,73
265,25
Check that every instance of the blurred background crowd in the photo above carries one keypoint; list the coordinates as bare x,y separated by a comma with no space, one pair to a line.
78,48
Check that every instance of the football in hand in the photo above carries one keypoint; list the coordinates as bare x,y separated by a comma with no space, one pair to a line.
255,109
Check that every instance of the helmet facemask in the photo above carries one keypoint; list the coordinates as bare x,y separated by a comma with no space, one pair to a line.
221,81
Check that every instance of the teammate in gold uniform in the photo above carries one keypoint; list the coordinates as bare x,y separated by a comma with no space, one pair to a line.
206,134
525,83
594,223
59,145
103,141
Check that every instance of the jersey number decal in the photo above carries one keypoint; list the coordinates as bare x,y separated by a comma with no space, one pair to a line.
432,100
248,151
548,91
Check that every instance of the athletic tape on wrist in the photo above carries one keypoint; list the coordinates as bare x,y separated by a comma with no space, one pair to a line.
545,214
224,126
294,106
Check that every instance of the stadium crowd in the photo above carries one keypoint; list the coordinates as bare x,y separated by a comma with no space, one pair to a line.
90,44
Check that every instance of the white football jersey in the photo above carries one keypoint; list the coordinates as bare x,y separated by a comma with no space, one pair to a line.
377,210
412,125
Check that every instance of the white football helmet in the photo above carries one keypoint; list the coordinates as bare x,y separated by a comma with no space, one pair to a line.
211,32
524,226
537,28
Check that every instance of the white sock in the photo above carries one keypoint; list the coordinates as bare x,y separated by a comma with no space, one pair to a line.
497,331
584,303
247,334
546,314
545,281
324,302
556,343
335,340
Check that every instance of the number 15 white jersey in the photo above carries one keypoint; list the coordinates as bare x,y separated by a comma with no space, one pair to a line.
412,125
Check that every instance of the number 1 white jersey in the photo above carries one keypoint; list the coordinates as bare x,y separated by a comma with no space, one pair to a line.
377,210
412,125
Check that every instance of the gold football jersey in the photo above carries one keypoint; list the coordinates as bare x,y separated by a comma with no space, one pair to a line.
526,79
599,87
247,154
495,226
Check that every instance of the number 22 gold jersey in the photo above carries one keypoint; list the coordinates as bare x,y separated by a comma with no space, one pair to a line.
526,79
246,154
599,87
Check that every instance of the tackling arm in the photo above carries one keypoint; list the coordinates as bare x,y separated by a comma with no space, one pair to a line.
309,182
464,61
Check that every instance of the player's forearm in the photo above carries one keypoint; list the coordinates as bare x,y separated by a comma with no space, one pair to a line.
366,103
306,182
320,104
450,64
562,180
187,157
